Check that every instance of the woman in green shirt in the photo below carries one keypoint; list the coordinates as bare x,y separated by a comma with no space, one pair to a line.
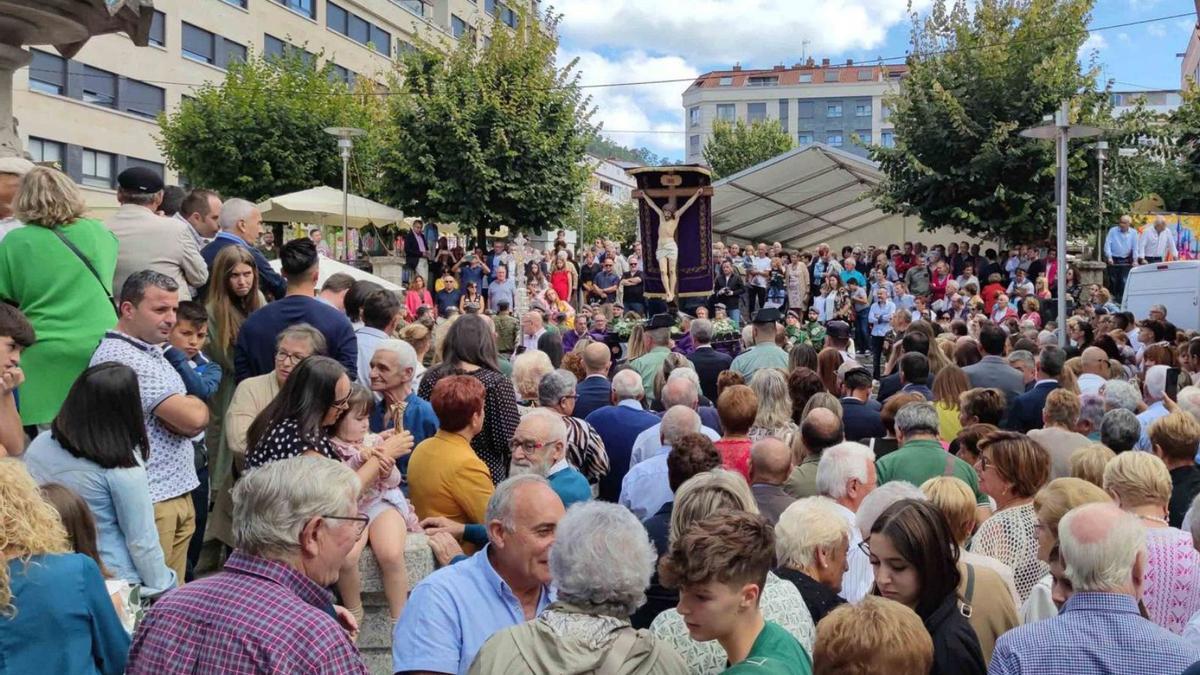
66,295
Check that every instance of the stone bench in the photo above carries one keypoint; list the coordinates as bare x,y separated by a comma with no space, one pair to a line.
375,634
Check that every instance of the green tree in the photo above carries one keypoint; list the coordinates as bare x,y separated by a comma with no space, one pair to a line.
736,146
975,80
599,218
1178,182
260,132
489,137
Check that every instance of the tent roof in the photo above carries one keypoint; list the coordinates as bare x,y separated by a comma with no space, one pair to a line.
807,195
322,205
327,267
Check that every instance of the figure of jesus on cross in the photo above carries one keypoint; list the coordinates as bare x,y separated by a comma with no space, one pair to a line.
667,250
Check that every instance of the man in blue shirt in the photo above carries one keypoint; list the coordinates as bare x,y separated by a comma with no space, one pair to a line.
1120,247
880,318
1099,629
254,353
606,282
453,611
241,224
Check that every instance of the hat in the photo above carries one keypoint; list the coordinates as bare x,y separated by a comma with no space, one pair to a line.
767,315
140,179
660,321
719,305
838,330
846,367
17,166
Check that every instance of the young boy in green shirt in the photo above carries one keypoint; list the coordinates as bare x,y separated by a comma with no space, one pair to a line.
720,567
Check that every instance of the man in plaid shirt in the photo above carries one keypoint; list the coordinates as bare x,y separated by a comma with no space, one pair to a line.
268,611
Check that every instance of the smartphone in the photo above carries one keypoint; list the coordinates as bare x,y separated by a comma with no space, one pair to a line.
1172,383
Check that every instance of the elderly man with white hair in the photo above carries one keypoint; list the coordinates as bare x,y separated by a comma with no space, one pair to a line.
452,612
585,448
601,564
1121,394
646,487
1155,389
678,391
241,225
846,475
268,610
619,425
392,368
812,542
1100,628
1156,243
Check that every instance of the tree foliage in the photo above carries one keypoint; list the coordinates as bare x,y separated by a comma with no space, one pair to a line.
736,146
260,132
975,80
488,137
598,217
605,149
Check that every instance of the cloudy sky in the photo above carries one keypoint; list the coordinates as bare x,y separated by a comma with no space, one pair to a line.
639,40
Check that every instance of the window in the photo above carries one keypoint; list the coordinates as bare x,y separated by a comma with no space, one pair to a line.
403,47
99,87
341,20
236,3
143,100
725,81
415,6
862,109
340,74
508,17
770,81
887,139
336,17
804,138
47,73
490,6
97,169
864,135
831,76
199,44
804,109
694,116
834,139
756,112
606,187
304,7
885,112
45,152
457,26
273,47
156,167
783,113
381,40
726,111
359,29
234,53
158,29
865,75
694,145
805,78
833,110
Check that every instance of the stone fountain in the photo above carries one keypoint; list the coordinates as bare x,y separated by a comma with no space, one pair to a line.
65,24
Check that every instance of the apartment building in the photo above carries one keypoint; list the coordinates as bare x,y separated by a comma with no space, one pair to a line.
838,105
1163,101
609,180
1189,67
94,114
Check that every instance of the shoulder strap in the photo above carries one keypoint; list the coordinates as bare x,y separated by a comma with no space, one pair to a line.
618,651
84,259
970,589
949,470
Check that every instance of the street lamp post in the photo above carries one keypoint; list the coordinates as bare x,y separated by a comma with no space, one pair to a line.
1061,131
345,136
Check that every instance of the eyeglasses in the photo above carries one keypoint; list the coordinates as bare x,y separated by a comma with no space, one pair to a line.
984,463
362,519
289,358
527,448
865,548
343,403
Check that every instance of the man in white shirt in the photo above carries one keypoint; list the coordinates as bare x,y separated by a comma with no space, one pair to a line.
1156,243
760,275
12,170
679,392
846,475
646,487
1094,364
531,329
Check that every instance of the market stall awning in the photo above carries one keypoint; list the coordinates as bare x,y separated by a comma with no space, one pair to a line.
323,206
815,193
327,267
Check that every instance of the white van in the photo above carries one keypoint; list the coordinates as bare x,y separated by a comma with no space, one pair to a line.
1175,285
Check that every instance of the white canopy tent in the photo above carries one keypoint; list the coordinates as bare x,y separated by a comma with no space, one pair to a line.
811,195
322,205
328,267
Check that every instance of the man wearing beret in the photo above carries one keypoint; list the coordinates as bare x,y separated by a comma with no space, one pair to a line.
658,341
149,241
765,353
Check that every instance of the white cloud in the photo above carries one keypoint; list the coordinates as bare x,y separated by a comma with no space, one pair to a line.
1094,43
1123,38
1156,30
756,33
654,111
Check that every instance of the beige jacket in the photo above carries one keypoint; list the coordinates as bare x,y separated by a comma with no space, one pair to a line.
150,241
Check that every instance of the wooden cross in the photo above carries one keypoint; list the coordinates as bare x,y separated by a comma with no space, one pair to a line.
672,191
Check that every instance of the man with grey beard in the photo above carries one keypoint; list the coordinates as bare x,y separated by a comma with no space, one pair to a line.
539,446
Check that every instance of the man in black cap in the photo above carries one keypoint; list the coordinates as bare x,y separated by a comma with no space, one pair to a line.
837,335
658,342
149,241
765,353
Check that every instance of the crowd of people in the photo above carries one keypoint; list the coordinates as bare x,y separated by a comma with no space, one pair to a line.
888,460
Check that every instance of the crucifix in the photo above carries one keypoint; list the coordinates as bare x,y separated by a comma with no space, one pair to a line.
667,250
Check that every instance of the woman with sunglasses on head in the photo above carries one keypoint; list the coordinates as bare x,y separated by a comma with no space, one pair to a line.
915,559
470,296
299,420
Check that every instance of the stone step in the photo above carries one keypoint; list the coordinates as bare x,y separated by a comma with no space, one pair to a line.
375,633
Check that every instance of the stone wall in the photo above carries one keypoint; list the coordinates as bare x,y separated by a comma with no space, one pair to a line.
375,635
